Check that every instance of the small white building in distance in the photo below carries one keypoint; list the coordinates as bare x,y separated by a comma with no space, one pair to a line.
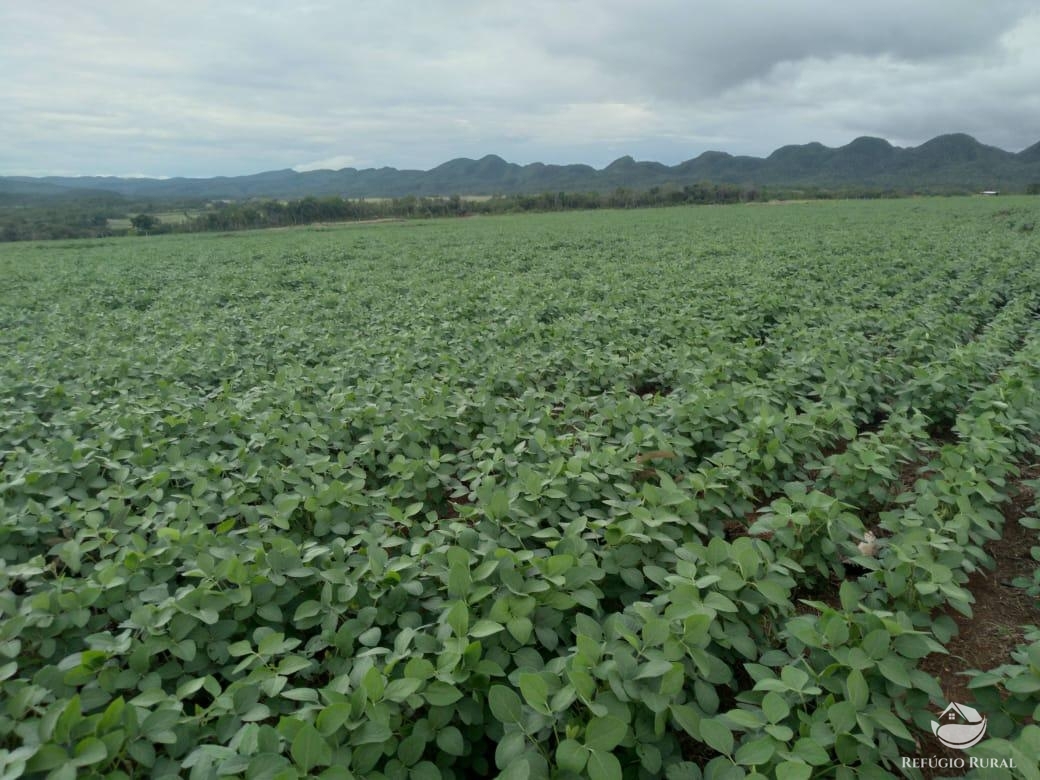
991,192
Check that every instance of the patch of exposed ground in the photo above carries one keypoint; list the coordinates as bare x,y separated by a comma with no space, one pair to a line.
986,640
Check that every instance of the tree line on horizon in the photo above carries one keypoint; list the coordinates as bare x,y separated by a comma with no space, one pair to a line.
92,219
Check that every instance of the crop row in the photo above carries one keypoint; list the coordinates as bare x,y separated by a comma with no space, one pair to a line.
574,496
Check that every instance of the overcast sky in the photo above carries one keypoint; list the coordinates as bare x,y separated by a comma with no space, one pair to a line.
200,88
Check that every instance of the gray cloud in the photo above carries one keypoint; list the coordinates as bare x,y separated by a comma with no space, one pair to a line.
680,49
199,88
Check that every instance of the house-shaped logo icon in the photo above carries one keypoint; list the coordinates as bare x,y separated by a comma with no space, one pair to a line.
959,726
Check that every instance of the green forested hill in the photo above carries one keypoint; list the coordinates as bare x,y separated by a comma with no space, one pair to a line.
955,162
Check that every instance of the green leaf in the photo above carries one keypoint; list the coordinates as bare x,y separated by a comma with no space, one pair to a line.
441,694
793,770
1033,654
894,669
399,690
307,609
371,637
411,749
272,644
603,766
650,758
836,630
653,669
571,755
67,772
1030,739
810,752
535,690
505,704
332,717
374,684
876,643
309,748
267,766
859,692
605,733
113,714
682,770
256,712
47,757
371,733
746,719
510,748
419,669
563,698
291,664
1024,683
459,581
300,694
286,503
842,716
485,628
498,506
89,751
687,718
774,592
805,630
458,618
450,741
891,723
521,629
795,677
425,770
775,707
716,735
756,752
850,595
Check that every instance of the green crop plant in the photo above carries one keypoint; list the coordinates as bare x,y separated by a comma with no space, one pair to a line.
555,496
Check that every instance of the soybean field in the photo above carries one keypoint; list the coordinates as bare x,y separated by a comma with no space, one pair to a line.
683,493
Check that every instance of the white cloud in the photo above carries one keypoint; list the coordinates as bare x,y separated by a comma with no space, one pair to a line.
336,163
199,88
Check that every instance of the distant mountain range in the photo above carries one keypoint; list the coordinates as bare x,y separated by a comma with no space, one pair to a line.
955,162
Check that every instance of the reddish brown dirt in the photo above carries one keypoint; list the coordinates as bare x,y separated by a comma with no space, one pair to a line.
986,640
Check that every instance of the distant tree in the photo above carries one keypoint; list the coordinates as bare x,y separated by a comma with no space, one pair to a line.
1033,189
143,223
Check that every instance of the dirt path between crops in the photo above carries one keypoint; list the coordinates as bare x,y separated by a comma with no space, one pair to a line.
986,640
